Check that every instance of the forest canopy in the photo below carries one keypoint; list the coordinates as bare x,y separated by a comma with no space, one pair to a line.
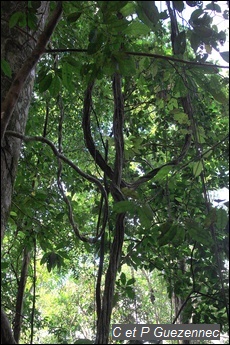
114,137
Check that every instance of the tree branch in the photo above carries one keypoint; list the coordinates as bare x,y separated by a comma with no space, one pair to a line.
156,56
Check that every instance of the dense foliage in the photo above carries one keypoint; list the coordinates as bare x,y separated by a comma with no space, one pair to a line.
128,127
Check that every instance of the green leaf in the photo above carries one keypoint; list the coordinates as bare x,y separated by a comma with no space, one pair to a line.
207,154
23,20
218,95
32,21
226,203
181,118
64,255
73,17
225,56
129,192
148,13
72,61
178,5
14,19
168,232
67,75
5,66
196,14
136,29
130,292
131,281
208,48
197,168
114,6
197,233
45,83
123,278
163,15
126,63
146,209
145,221
179,199
203,32
210,87
42,73
55,86
222,218
226,14
12,213
206,69
179,237
195,41
163,172
213,7
44,258
4,265
93,35
95,43
124,206
128,9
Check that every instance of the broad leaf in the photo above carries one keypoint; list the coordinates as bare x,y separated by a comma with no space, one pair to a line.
123,278
5,66
45,83
225,56
128,9
181,118
168,232
136,29
124,206
163,172
178,5
14,19
213,7
73,17
197,168
55,86
197,233
222,218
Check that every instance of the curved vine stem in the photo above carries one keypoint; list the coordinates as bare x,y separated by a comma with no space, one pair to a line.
88,177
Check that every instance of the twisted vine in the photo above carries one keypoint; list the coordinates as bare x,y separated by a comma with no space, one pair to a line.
87,177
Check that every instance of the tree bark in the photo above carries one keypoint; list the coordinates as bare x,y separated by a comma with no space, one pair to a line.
20,295
6,333
21,48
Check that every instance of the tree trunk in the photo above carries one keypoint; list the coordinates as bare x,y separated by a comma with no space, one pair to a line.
20,295
16,46
21,49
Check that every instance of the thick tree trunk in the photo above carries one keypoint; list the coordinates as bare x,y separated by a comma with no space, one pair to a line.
22,49
179,302
6,333
16,46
